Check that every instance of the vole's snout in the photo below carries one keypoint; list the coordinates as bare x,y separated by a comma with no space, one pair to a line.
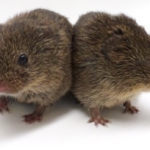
4,88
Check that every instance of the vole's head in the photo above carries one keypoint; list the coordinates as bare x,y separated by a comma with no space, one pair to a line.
127,52
26,54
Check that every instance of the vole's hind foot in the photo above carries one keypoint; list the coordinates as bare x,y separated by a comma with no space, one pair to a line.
96,118
35,116
3,104
129,108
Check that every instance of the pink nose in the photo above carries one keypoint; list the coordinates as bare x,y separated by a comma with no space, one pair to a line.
3,88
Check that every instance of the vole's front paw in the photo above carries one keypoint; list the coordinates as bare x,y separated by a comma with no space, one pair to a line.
30,118
96,118
3,104
130,108
99,120
36,115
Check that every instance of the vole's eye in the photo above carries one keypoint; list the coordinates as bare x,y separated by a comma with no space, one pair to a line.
23,59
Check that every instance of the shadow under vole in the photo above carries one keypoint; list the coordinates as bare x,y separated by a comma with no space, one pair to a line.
111,62
35,56
12,127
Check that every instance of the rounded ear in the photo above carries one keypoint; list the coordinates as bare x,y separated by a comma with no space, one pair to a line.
116,47
118,31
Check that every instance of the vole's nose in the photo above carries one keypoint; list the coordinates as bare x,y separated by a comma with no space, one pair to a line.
3,88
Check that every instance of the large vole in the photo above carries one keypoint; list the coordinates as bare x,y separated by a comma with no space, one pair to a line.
111,62
35,58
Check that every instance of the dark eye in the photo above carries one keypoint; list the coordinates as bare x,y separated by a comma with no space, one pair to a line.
23,59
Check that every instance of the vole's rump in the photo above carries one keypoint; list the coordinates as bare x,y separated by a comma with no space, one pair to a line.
110,61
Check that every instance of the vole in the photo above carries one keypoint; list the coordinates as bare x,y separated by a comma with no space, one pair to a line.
35,56
111,62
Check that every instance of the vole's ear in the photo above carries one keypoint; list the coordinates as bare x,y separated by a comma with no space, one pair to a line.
118,31
116,47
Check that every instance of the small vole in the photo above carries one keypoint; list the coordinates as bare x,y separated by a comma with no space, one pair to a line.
35,57
111,62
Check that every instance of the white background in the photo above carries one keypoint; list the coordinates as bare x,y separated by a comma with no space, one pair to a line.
64,126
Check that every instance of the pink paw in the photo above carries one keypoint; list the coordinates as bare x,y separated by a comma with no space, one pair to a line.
3,104
32,118
129,108
99,120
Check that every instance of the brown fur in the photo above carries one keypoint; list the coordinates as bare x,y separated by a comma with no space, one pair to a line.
45,37
111,60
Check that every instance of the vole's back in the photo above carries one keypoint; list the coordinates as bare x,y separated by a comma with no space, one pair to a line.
92,31
44,17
